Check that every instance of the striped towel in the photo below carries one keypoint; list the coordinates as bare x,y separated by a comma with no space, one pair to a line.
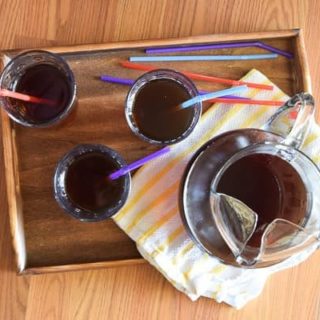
151,216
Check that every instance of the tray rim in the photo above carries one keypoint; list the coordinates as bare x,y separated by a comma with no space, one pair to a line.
130,44
14,199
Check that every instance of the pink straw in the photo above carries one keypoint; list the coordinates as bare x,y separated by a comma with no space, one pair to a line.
134,165
23,97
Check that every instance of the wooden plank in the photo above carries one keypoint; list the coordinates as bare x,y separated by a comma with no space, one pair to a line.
147,295
13,186
83,266
301,72
13,289
13,191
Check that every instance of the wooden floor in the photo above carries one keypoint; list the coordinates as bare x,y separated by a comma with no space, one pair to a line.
140,292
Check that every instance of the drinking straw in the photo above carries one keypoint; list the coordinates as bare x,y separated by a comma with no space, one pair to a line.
211,95
23,97
248,101
205,58
228,96
125,81
129,82
200,77
258,44
136,164
230,99
118,80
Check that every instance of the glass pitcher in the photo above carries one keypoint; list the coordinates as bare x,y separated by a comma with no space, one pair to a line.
251,221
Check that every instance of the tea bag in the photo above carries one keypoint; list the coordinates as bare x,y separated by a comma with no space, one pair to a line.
236,223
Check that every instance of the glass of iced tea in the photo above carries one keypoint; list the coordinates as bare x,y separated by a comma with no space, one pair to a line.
152,107
82,186
40,74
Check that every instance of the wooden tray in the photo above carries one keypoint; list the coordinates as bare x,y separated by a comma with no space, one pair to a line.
45,238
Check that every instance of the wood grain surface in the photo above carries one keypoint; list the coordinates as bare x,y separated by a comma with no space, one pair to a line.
140,292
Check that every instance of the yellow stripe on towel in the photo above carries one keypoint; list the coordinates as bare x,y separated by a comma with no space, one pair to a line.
311,138
169,240
218,269
165,218
156,202
316,159
204,258
190,245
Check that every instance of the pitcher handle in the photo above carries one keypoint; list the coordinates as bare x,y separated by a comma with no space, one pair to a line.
305,104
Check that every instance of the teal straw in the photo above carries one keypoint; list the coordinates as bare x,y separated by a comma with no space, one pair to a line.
205,58
212,95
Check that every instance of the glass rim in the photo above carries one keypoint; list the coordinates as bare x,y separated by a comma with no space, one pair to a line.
153,75
59,183
71,81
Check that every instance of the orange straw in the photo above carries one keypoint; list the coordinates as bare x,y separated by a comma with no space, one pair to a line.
245,101
200,77
23,97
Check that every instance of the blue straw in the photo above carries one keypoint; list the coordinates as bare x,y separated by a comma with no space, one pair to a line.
203,92
205,58
212,95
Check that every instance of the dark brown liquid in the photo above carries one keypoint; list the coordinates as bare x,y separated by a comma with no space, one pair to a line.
87,182
156,113
46,82
268,185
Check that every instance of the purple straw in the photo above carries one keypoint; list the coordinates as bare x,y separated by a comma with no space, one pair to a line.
106,78
134,165
130,82
258,44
